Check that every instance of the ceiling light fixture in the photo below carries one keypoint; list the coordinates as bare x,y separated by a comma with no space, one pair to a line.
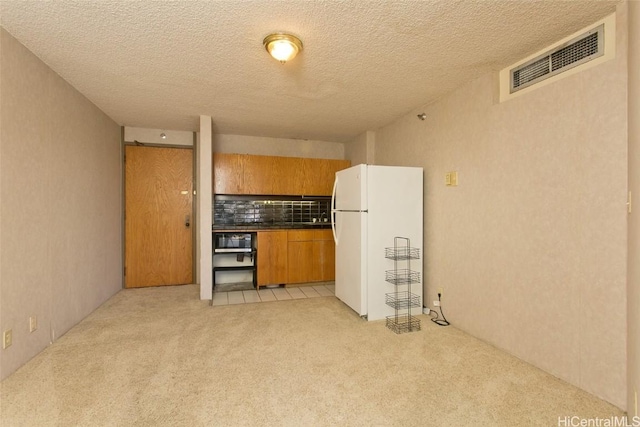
283,47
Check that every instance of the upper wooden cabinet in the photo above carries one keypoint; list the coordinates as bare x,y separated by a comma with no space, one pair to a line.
271,175
319,174
289,176
256,174
227,173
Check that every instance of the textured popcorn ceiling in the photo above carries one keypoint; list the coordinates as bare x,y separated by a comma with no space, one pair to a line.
365,63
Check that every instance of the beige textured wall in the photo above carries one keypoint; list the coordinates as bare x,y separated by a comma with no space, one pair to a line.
204,218
265,146
356,151
530,248
633,263
154,136
361,150
60,248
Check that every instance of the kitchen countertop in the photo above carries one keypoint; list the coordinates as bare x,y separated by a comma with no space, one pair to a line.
271,227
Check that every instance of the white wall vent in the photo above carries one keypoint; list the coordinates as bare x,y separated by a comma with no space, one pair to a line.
576,52
583,48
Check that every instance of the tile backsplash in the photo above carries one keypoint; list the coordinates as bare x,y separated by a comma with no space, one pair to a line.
270,212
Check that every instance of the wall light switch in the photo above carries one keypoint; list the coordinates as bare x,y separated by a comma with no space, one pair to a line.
7,338
451,179
454,179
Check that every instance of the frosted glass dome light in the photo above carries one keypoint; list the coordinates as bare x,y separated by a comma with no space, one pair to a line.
283,47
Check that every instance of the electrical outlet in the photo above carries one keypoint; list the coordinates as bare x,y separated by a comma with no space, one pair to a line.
436,303
7,338
33,323
441,291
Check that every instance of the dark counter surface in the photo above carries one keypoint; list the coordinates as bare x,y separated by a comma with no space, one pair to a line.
281,226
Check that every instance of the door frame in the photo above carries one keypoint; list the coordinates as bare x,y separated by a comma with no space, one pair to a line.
194,202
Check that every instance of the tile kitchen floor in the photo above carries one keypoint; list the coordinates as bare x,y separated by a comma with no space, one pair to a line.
275,294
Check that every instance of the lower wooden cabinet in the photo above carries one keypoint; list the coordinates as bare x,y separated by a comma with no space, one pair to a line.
301,262
311,256
324,253
272,257
295,256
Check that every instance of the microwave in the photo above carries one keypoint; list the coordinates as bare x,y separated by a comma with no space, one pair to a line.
233,242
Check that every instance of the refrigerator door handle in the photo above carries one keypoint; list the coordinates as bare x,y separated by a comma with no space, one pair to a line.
333,226
333,194
333,210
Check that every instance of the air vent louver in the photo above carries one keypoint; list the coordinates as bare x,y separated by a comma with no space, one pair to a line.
577,51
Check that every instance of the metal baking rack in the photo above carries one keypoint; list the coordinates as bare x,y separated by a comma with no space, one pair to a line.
402,300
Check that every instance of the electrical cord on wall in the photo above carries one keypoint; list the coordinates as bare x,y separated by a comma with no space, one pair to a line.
437,320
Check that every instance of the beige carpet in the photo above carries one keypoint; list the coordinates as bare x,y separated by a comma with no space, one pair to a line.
162,357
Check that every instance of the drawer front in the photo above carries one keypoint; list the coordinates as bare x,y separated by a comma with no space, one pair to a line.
300,235
322,235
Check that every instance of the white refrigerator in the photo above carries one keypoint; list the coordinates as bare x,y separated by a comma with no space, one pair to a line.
370,206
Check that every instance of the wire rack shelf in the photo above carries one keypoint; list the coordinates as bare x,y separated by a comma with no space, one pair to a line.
402,300
402,253
402,276
402,323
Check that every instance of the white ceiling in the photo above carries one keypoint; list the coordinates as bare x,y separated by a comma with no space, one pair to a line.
161,64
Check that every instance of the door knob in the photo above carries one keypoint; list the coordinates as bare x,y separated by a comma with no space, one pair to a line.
187,221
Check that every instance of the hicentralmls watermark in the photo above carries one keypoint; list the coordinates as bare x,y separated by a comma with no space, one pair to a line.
576,421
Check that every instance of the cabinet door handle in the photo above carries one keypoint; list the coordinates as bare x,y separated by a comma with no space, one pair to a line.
187,221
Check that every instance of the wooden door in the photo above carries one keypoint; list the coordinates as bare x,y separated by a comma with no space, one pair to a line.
158,216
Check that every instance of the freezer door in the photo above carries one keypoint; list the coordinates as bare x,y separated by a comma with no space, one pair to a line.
351,259
350,189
